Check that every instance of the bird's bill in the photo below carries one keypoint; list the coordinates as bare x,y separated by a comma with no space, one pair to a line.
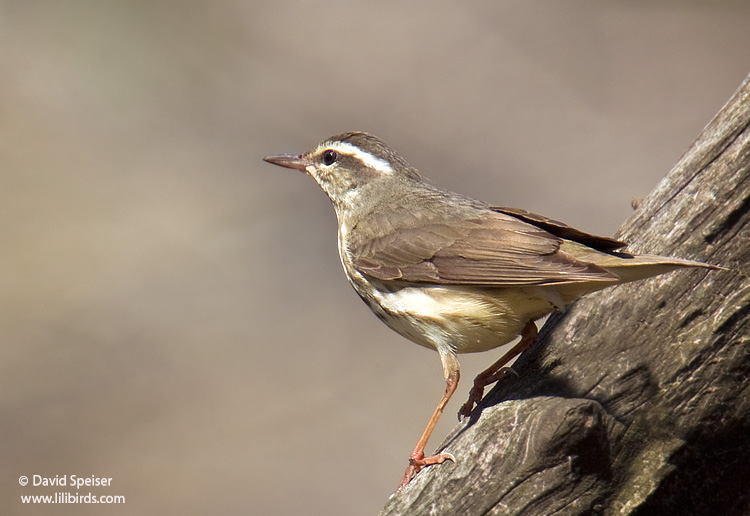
297,162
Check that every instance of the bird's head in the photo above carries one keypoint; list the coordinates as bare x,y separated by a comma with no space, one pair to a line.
351,166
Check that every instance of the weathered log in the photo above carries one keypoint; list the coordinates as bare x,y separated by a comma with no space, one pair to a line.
636,399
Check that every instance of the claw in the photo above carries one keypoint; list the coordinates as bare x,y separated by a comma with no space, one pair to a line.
476,393
417,460
416,464
435,459
498,370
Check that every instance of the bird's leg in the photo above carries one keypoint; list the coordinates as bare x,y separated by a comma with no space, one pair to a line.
417,460
497,370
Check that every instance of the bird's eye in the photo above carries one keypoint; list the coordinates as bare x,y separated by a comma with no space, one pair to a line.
329,157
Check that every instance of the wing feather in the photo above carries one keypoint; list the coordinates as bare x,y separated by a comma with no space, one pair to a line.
600,243
491,248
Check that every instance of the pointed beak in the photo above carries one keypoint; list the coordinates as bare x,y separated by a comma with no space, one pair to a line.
296,162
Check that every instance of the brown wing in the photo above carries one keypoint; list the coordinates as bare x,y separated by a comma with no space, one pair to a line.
560,229
489,249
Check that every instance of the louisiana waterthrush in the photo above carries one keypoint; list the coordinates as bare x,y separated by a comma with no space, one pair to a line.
452,273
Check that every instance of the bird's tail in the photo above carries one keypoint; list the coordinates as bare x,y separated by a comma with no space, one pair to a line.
636,267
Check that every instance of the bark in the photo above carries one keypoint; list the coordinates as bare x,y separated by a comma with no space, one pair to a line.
634,401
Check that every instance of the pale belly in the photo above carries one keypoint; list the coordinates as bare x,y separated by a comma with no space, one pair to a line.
466,320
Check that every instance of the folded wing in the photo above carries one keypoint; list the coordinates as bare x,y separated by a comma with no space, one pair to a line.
493,248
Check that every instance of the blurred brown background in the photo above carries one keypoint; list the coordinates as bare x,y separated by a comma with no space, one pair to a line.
173,311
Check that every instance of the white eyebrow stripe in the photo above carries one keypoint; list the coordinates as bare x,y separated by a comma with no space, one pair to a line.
365,157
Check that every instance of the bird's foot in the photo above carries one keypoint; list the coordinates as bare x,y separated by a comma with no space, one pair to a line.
477,391
419,461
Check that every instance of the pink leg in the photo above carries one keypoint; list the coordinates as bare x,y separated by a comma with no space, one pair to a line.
417,460
497,370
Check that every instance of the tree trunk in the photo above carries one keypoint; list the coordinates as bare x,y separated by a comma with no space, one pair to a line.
634,401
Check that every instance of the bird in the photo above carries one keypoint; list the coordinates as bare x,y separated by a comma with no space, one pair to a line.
451,273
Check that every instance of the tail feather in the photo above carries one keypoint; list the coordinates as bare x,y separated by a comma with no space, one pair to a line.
629,267
635,267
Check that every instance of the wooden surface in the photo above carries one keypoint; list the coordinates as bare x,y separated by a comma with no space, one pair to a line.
635,400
